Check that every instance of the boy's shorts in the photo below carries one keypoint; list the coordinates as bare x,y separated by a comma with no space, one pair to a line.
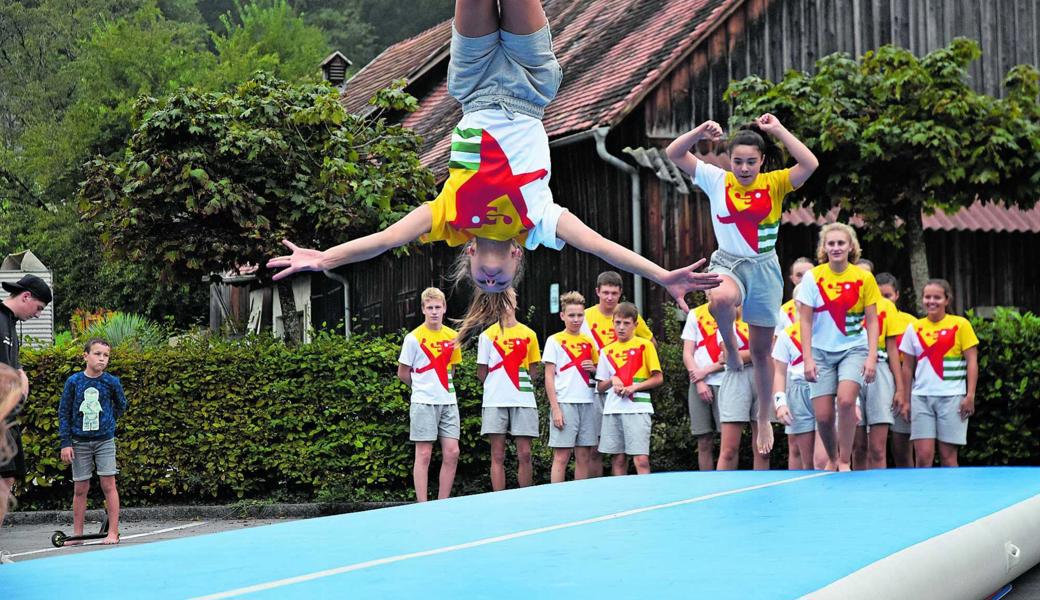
504,70
598,400
432,421
517,421
737,400
579,426
938,417
899,424
704,416
832,367
14,468
88,454
761,284
626,433
803,416
877,397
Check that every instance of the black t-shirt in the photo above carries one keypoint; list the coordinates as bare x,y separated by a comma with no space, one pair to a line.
9,345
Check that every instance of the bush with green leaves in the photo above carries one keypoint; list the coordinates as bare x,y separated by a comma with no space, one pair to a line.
215,420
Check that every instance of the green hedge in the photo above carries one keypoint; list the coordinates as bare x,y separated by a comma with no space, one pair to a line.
215,421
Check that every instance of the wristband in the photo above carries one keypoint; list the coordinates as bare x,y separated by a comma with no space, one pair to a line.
779,399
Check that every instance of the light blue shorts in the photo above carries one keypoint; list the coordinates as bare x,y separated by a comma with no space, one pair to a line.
800,404
90,454
760,280
939,418
832,367
504,70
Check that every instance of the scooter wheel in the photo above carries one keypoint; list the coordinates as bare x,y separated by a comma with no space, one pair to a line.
58,539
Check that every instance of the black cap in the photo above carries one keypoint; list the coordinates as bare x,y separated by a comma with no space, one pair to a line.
32,284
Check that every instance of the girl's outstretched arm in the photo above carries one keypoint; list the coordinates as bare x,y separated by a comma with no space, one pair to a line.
807,161
679,150
408,229
679,282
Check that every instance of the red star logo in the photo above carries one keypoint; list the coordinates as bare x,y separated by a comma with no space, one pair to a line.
839,306
583,353
633,362
944,340
440,363
709,341
512,359
757,206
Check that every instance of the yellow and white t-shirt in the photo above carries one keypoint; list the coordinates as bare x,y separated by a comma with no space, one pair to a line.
702,330
788,315
788,349
566,352
746,219
632,361
939,348
600,327
889,322
839,302
508,354
431,354
900,322
498,183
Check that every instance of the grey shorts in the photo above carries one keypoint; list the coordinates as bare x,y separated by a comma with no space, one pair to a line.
626,433
800,404
938,417
760,280
876,398
501,68
704,416
89,454
432,421
517,421
832,367
579,426
900,425
737,400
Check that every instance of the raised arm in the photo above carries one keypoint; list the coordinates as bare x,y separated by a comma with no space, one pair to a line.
408,229
806,160
679,282
679,150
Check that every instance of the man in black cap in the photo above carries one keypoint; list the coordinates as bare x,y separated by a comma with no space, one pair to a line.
29,296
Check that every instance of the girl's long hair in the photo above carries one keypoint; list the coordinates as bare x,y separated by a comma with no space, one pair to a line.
485,308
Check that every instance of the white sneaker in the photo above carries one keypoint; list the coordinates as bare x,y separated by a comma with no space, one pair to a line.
5,558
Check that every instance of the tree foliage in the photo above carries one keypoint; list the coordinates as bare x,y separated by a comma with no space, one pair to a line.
211,181
897,135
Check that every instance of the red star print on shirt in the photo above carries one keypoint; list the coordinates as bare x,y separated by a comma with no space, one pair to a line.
944,340
795,337
440,363
584,353
608,337
512,359
493,180
710,342
758,206
633,362
838,307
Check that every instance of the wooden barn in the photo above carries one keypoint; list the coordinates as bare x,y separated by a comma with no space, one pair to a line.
639,72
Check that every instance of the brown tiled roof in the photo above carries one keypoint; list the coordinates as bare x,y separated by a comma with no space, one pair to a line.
612,52
977,217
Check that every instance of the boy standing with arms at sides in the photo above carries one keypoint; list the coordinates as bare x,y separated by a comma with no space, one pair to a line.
628,369
902,449
87,413
702,355
507,359
599,325
570,364
428,358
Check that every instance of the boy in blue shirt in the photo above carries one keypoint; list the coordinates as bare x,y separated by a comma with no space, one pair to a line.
90,405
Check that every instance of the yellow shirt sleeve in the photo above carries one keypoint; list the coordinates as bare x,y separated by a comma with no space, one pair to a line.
650,358
534,353
780,182
440,230
642,330
871,293
966,335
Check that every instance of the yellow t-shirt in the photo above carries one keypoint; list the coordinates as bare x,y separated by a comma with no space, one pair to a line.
508,354
746,219
939,348
839,302
888,325
632,361
600,327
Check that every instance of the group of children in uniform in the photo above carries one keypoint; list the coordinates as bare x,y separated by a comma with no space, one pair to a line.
496,204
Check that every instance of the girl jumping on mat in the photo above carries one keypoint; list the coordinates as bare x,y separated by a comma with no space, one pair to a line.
746,205
944,349
496,201
837,306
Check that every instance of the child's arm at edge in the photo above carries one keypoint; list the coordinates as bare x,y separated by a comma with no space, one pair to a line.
408,229
679,150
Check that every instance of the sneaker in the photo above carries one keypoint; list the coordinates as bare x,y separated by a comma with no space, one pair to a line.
5,558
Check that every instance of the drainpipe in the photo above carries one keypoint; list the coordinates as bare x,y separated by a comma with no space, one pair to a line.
600,133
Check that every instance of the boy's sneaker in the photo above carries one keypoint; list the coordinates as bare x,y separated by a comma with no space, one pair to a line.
5,558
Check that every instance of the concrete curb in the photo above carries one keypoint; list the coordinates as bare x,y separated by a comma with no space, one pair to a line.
202,513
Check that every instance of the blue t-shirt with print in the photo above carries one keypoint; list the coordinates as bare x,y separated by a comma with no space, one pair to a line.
89,408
